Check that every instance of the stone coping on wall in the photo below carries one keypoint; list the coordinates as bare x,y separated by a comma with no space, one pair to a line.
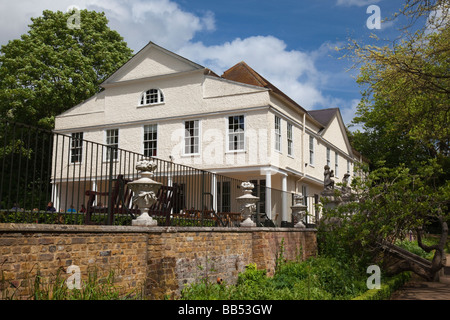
30,227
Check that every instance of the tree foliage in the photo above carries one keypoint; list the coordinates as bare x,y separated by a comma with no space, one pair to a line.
388,204
405,113
53,67
405,108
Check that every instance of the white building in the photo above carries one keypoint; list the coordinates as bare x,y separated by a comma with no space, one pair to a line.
238,125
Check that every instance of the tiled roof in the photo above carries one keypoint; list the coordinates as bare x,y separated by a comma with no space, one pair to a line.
324,116
241,72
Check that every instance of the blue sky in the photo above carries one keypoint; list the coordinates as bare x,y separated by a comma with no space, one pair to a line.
289,42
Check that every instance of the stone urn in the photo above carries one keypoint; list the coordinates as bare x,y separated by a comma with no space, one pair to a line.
248,204
299,210
145,190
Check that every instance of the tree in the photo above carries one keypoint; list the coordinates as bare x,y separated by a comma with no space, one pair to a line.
405,113
388,204
47,71
405,108
53,67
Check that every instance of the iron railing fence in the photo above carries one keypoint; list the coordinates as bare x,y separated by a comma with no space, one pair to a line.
48,177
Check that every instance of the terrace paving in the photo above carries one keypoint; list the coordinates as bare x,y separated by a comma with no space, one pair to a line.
418,289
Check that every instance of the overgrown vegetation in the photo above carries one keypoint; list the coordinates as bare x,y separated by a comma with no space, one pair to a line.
55,287
326,277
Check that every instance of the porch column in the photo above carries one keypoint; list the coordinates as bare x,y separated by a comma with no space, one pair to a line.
214,190
284,205
269,193
94,188
55,196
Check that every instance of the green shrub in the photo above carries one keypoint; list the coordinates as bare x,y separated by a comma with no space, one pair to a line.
321,278
413,247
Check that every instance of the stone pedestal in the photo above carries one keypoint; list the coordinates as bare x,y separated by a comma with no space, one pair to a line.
331,200
299,210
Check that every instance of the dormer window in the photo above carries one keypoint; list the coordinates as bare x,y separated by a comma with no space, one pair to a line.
152,96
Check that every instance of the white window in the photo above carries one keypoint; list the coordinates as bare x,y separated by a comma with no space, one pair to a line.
150,140
311,150
236,133
336,164
112,141
191,137
76,147
289,139
348,166
151,96
328,156
277,133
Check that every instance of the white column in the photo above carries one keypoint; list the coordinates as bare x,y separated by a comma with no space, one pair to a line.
284,205
55,196
269,194
214,191
94,188
169,176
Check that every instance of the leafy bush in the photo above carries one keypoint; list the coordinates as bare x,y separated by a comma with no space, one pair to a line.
413,247
321,278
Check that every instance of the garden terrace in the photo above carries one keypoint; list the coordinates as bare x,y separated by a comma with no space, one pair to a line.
86,183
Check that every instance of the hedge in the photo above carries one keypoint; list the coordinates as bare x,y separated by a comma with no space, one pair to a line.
387,288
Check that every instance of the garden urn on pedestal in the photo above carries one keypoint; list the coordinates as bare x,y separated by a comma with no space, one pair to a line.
248,204
299,210
145,190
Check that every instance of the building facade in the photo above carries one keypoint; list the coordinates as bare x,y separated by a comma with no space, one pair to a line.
238,125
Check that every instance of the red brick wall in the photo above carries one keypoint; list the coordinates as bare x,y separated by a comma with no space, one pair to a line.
159,260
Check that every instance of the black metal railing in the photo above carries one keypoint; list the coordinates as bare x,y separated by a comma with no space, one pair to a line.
48,177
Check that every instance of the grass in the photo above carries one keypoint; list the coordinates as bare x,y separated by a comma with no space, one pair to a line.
413,247
56,288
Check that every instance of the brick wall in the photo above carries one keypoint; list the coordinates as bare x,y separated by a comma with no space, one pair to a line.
160,260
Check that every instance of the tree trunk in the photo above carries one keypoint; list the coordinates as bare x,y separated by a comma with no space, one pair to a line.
403,261
439,258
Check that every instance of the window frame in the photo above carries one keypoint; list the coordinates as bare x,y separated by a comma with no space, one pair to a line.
231,134
77,147
290,139
192,137
336,164
146,97
328,156
277,131
311,150
107,143
150,141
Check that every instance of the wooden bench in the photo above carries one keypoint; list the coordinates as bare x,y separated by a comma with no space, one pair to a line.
120,202
230,219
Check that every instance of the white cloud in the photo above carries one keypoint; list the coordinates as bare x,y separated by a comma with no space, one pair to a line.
163,21
138,21
160,21
292,71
